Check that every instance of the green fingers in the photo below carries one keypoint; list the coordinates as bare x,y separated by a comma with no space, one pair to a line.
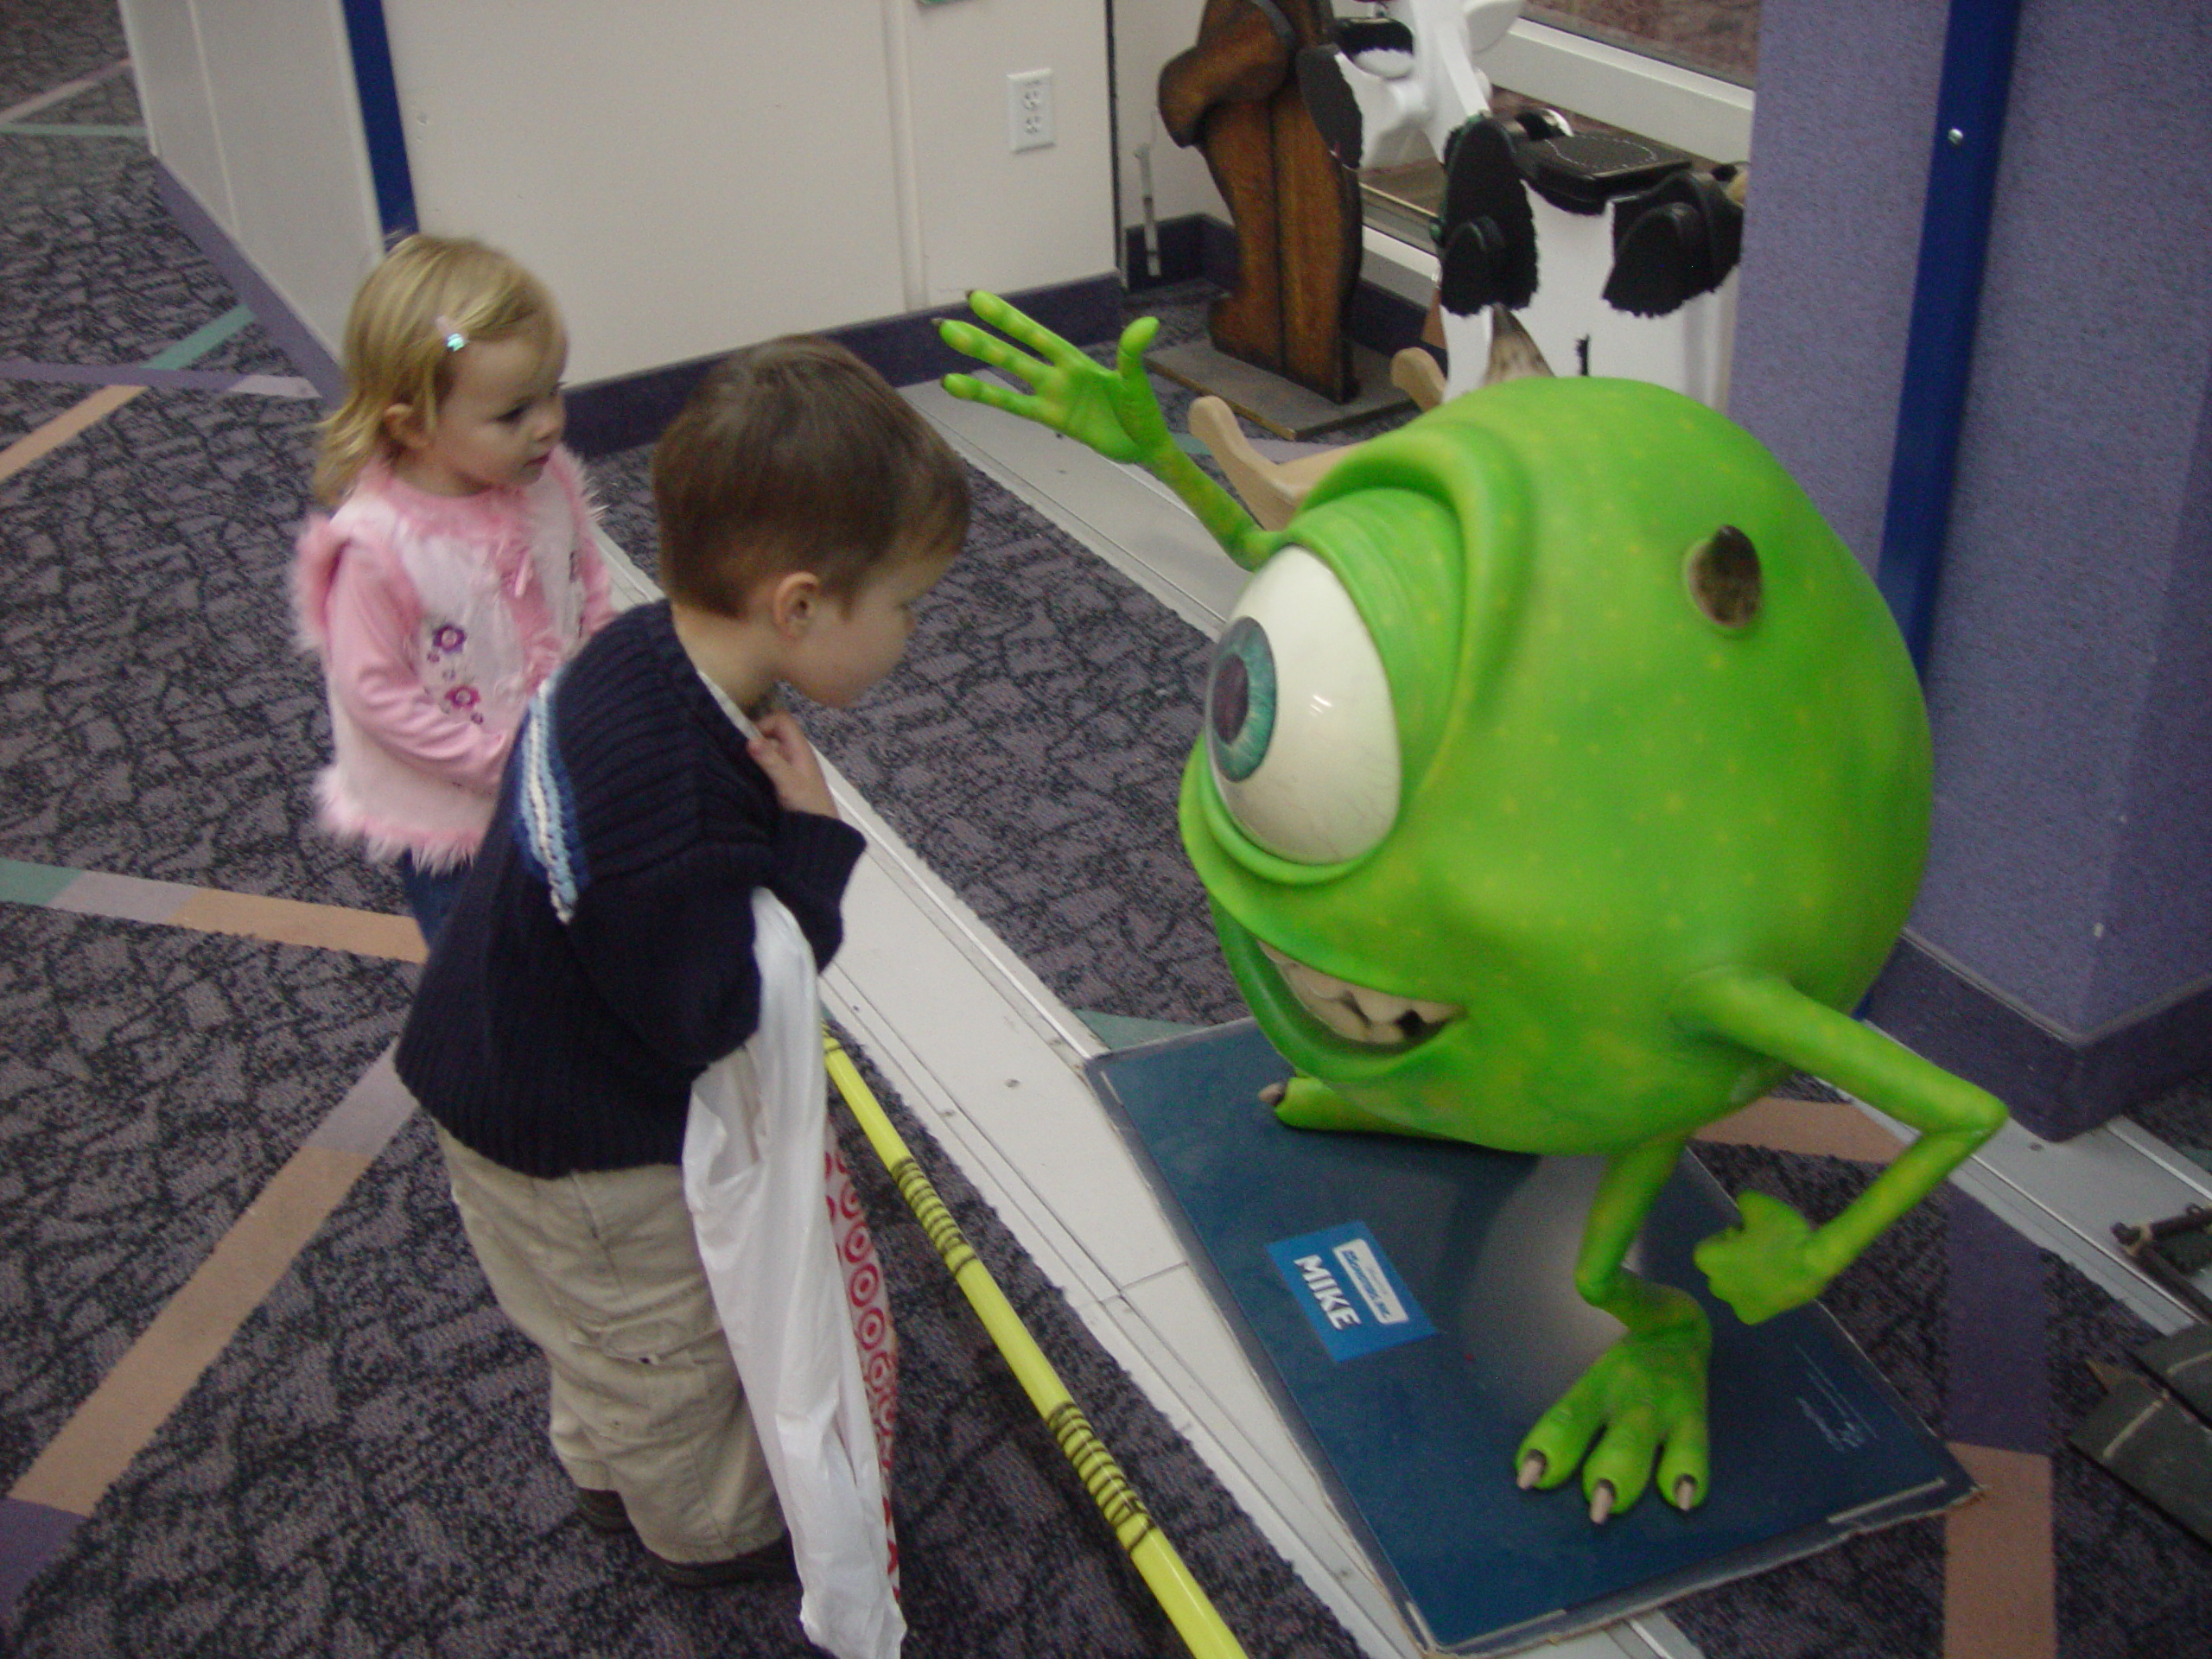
1764,1266
1640,1406
1113,410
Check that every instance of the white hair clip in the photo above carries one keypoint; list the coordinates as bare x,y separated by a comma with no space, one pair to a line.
455,339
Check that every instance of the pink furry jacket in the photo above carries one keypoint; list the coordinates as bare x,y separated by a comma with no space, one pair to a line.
436,617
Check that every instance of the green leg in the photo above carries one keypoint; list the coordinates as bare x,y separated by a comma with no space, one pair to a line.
1643,1399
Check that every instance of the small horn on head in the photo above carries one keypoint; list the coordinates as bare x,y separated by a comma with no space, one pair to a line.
1513,354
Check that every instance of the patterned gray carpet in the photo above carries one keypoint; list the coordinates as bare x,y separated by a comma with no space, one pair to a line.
159,722
153,1081
2130,1582
44,42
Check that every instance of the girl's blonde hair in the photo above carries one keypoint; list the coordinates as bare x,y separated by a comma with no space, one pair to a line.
426,289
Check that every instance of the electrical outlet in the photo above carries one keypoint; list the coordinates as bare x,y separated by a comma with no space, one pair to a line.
1029,109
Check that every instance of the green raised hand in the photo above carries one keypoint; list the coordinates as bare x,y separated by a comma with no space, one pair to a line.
1113,410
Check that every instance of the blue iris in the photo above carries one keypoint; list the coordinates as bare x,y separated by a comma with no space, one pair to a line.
1240,699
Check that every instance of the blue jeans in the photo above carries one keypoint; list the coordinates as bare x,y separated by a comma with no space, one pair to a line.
430,894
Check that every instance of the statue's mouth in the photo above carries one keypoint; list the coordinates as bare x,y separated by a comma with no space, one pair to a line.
1360,1014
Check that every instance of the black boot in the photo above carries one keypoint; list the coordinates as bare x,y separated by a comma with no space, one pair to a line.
1486,238
1675,241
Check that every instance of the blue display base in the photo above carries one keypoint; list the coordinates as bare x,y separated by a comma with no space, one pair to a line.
1412,1303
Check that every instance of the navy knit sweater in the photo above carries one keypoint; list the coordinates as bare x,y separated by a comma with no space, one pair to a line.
600,956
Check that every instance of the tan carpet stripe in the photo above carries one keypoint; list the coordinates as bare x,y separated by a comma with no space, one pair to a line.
2000,1594
43,441
1817,1128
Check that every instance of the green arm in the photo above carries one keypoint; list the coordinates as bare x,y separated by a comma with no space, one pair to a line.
1113,410
1774,1262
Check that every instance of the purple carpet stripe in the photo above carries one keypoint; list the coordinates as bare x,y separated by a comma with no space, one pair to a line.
31,1535
277,319
126,898
1999,1391
102,374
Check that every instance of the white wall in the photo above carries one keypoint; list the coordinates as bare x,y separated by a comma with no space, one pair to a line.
639,159
688,175
991,217
252,107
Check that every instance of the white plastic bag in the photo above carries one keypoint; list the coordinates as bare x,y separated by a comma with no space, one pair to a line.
755,1183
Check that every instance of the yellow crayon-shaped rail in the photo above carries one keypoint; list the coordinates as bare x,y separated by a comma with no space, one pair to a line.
1178,1594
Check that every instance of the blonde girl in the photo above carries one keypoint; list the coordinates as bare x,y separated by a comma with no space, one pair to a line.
459,567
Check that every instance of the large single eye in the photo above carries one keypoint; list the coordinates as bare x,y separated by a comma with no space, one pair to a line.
1240,699
1299,726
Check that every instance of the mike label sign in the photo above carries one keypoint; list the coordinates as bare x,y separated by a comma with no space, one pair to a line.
1351,1294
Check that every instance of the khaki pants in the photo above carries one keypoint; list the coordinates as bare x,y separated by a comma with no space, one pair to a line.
602,1272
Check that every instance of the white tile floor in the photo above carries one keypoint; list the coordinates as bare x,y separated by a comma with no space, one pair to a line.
973,1041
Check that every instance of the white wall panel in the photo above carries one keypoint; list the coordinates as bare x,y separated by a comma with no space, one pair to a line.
282,84
686,176
173,90
990,217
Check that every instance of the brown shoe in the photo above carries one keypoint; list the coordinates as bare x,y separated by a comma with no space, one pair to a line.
769,1562
602,1511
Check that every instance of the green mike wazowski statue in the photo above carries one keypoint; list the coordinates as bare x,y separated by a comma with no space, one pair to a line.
1564,782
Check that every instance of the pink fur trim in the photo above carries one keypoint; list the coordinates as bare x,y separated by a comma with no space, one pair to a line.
583,507
322,540
383,839
583,500
478,516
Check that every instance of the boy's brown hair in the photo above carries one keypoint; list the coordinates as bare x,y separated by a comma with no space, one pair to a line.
796,456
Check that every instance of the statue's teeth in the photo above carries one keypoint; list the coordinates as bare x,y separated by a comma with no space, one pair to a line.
1342,1018
1385,1009
1359,1011
1315,985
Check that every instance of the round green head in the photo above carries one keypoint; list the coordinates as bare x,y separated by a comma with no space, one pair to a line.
1554,699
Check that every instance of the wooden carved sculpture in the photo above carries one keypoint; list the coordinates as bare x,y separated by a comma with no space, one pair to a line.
1296,212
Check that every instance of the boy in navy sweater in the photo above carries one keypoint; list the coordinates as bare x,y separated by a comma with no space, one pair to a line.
600,956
